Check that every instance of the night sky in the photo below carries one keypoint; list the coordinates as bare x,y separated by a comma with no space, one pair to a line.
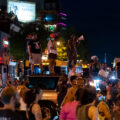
99,20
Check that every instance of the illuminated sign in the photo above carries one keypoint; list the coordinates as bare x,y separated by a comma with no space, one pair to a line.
1,60
5,42
51,28
25,11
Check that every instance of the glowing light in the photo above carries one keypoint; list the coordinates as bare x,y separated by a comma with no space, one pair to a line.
92,84
96,83
113,77
25,11
63,14
44,58
58,43
46,51
62,24
51,28
5,42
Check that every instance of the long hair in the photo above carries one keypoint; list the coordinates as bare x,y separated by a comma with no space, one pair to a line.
88,95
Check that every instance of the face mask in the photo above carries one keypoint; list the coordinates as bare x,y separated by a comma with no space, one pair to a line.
52,38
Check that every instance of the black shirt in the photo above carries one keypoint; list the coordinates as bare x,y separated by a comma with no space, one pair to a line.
35,46
9,115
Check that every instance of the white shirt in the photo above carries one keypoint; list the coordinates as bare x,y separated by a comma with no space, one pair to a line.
103,73
50,44
71,73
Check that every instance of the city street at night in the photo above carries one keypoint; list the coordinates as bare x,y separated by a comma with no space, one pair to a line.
59,60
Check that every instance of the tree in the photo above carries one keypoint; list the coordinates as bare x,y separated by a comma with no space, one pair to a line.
82,50
18,40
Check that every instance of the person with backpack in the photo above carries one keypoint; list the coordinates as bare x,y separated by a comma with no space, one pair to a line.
86,110
31,98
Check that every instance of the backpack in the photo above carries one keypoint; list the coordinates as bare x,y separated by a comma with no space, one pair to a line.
82,112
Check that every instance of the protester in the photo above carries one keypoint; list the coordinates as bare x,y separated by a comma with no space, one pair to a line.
87,110
104,111
94,67
114,92
73,43
72,72
9,81
33,108
103,73
35,52
68,111
116,111
9,98
108,95
61,89
23,106
52,53
71,91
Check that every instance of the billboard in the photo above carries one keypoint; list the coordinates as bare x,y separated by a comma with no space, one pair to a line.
25,11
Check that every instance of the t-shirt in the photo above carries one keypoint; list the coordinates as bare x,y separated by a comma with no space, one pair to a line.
68,111
51,46
103,73
9,115
35,46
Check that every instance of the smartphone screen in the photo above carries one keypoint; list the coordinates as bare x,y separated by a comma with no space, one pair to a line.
100,98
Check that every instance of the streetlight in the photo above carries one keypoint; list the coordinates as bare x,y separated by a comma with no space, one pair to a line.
58,43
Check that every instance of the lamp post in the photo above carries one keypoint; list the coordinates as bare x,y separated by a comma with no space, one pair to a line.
58,43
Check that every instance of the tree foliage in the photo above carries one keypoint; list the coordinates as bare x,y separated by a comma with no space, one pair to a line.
18,41
82,50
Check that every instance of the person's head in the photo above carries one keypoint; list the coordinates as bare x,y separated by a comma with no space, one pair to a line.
80,81
104,66
9,96
94,58
73,80
22,92
52,36
31,96
88,95
34,36
62,79
91,61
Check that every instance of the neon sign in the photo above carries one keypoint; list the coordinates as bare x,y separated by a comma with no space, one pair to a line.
5,42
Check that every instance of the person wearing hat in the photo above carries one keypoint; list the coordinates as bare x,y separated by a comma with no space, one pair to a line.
52,53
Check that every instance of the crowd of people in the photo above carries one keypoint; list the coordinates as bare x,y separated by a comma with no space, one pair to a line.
20,103
78,97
